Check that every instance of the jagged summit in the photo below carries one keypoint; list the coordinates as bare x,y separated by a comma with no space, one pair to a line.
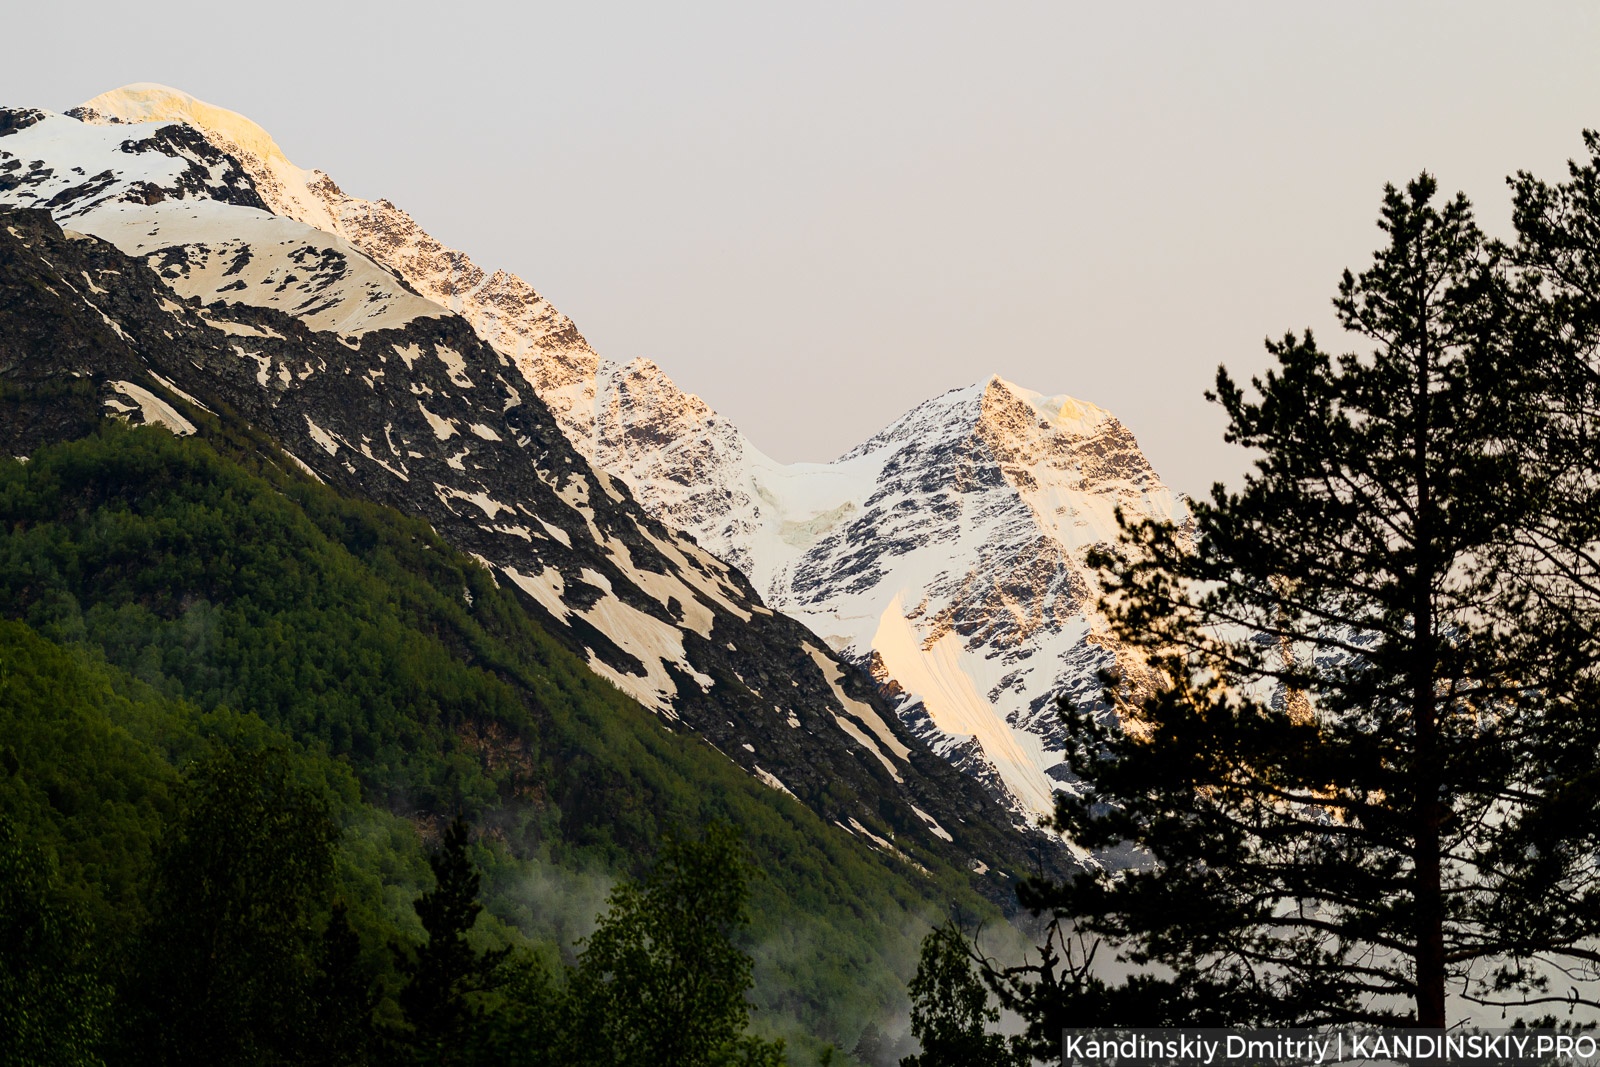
1062,413
950,559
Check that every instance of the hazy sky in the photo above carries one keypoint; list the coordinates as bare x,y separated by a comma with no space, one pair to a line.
817,214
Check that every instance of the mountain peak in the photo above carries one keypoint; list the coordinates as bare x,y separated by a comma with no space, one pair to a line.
295,192
151,102
1061,413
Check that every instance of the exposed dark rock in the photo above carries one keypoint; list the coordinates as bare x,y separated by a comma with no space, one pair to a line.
430,420
14,119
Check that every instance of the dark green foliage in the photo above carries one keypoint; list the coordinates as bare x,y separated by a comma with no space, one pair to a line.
1357,688
524,1022
661,980
950,1010
874,1048
338,1024
194,600
52,1002
85,770
211,587
225,969
446,970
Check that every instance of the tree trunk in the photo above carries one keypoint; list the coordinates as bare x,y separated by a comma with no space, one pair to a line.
1429,901
1429,893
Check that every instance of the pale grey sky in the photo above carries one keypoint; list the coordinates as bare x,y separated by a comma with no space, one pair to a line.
816,215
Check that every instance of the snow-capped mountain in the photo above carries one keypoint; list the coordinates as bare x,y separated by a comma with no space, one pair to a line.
504,310
945,554
950,557
182,291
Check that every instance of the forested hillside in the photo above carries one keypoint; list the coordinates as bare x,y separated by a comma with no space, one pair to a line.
171,598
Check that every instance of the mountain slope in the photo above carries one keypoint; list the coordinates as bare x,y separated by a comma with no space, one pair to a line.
393,397
945,555
190,600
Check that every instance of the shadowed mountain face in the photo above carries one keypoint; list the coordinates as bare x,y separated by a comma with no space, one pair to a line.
194,296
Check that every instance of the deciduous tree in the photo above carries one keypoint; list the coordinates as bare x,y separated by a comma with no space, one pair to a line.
951,1014
662,980
52,1002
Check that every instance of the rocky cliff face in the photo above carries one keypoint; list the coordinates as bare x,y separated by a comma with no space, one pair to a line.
182,294
955,569
945,555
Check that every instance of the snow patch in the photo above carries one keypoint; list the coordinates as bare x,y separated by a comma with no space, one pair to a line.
489,506
933,824
173,389
455,365
653,642
443,428
231,328
545,588
942,677
595,578
558,533
834,674
298,462
767,778
321,436
153,411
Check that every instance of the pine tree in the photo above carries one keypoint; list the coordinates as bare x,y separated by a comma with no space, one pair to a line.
1342,751
1557,253
447,970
